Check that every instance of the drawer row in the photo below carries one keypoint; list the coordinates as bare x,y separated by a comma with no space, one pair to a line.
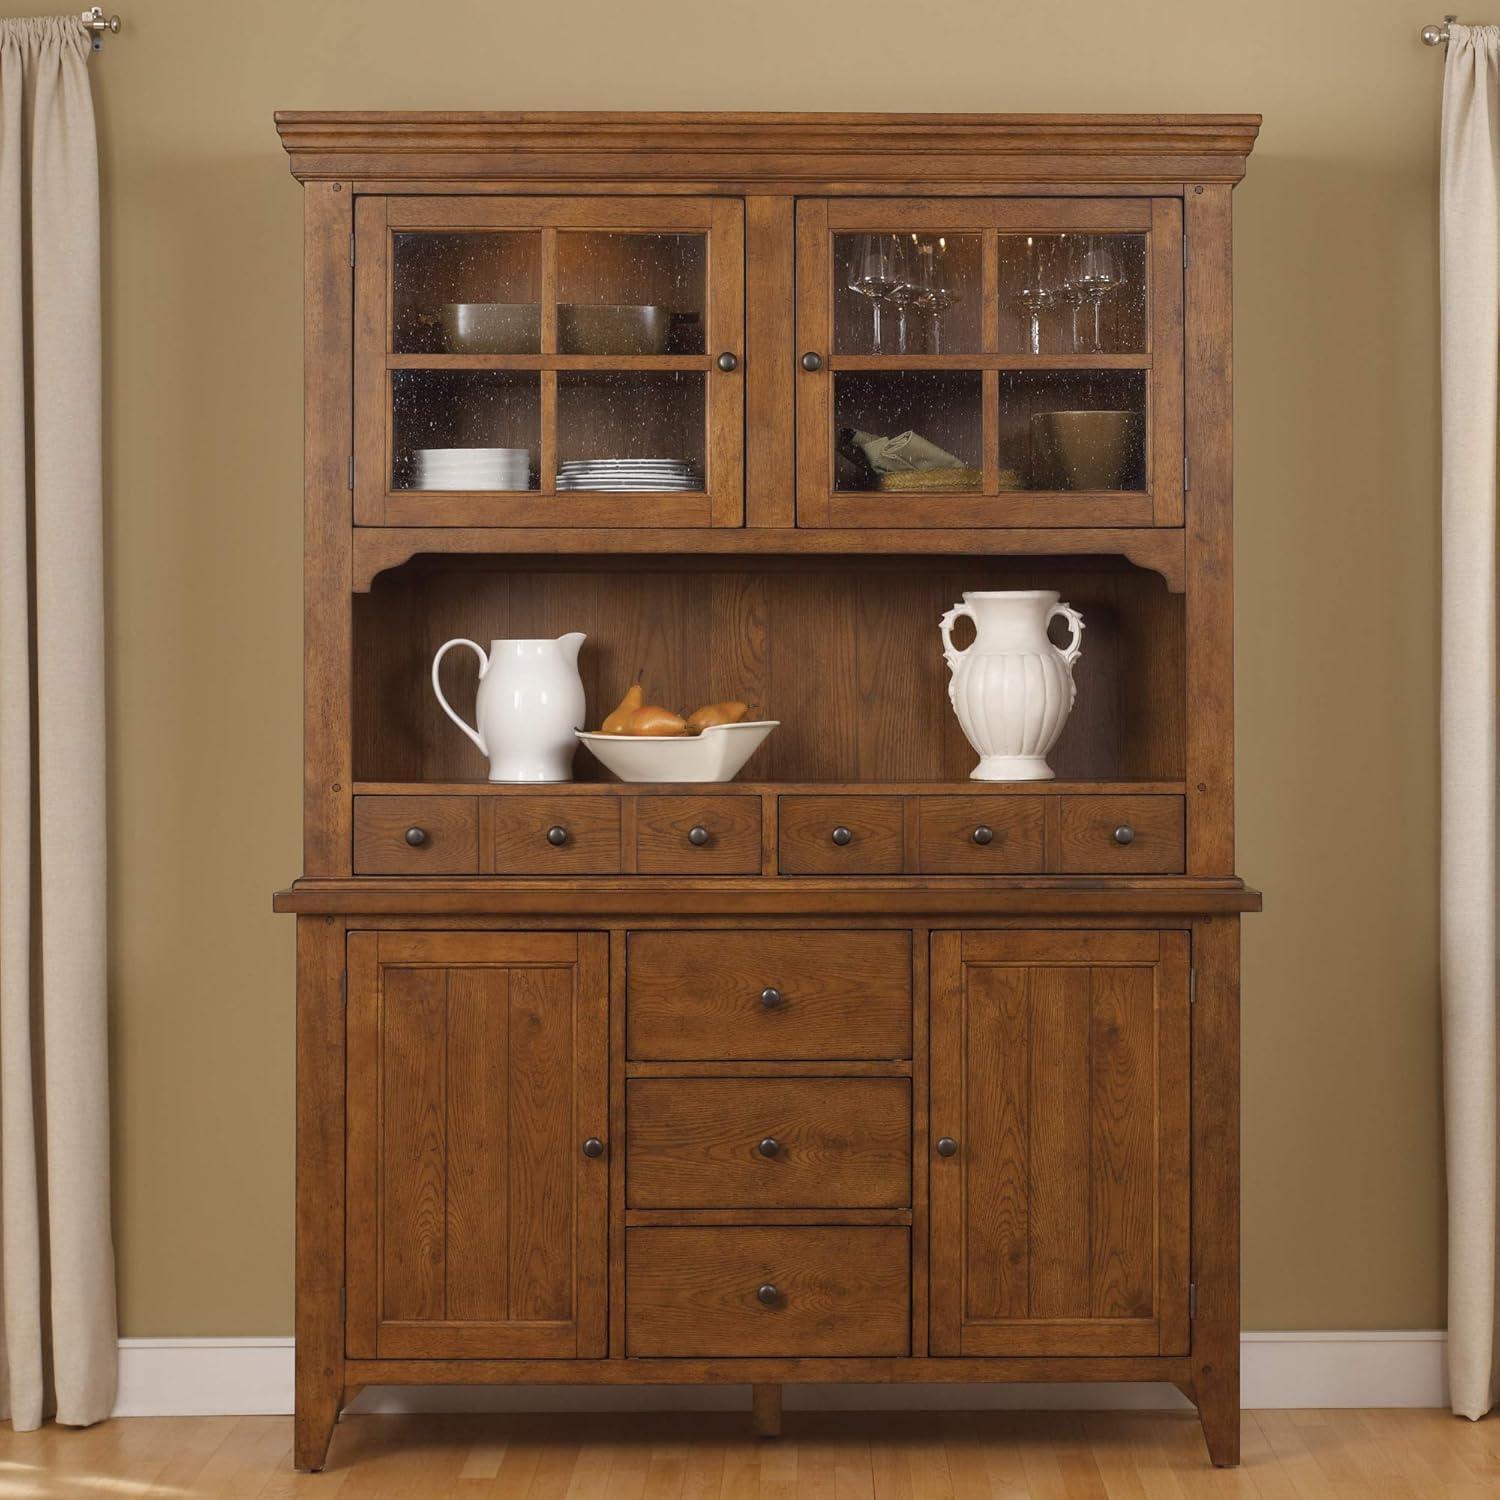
573,834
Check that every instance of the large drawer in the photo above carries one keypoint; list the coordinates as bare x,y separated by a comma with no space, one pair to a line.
747,995
786,1291
768,1142
416,836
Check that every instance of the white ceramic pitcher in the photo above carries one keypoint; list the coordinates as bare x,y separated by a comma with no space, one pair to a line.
1012,689
529,703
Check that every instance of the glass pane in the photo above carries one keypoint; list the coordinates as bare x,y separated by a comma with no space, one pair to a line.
909,430
1073,293
467,293
630,293
1073,429
630,430
465,429
906,293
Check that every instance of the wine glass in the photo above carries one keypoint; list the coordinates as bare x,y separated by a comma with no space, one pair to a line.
904,289
1094,273
872,274
1038,292
936,291
1071,258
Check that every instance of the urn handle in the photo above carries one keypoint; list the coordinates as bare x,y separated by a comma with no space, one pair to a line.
484,666
951,654
1074,649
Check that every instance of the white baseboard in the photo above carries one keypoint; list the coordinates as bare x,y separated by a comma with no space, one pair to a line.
220,1377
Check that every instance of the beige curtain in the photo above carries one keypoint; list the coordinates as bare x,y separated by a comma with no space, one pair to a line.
57,1298
1470,231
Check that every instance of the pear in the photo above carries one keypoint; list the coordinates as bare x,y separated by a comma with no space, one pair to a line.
655,720
616,722
715,713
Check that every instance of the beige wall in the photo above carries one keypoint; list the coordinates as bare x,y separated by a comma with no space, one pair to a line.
1337,574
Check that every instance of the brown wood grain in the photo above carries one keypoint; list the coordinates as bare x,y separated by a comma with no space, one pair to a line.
1088,826
697,995
839,1142
770,354
663,825
450,829
806,826
592,826
840,1291
946,844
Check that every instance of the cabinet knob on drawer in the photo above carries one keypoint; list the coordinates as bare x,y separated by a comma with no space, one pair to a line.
1124,834
947,1146
768,1293
698,836
728,362
984,834
557,835
842,836
416,837
770,997
593,1147
812,361
769,1147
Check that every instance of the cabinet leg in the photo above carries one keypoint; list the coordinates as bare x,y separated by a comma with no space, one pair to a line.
765,1410
1218,1398
317,1410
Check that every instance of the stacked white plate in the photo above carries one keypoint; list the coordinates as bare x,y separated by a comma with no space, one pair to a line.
473,469
629,474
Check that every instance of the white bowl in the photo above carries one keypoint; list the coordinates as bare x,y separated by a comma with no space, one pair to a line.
714,755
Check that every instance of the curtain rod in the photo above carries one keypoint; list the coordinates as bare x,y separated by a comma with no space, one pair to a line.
96,23
1437,36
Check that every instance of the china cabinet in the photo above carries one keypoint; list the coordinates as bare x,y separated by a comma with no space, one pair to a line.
851,1068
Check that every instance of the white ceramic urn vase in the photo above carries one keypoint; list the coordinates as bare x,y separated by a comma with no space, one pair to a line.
527,709
1012,689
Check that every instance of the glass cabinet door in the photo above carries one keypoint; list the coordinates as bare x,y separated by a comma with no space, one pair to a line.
549,362
989,362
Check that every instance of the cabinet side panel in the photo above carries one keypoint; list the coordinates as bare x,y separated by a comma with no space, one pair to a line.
328,295
1210,534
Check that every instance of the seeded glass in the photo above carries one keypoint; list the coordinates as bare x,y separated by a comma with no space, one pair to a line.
631,414
921,290
468,409
941,407
1073,430
630,293
1052,284
467,293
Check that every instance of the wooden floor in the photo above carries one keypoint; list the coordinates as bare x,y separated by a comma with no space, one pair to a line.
918,1456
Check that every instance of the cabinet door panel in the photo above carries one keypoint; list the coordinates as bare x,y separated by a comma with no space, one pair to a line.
1060,1067
476,1070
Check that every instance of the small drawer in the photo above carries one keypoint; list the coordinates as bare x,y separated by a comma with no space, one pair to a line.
556,835
804,1291
697,835
748,995
416,836
1129,835
768,1142
980,835
840,835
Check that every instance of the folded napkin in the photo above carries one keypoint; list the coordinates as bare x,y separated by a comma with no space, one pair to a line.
905,452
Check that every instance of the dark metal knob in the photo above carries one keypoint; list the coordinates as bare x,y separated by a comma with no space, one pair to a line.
698,837
770,997
842,836
984,834
767,1293
769,1147
416,837
557,835
593,1146
811,361
1124,834
728,362
947,1146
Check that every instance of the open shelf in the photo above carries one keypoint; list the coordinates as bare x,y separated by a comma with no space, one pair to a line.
844,651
